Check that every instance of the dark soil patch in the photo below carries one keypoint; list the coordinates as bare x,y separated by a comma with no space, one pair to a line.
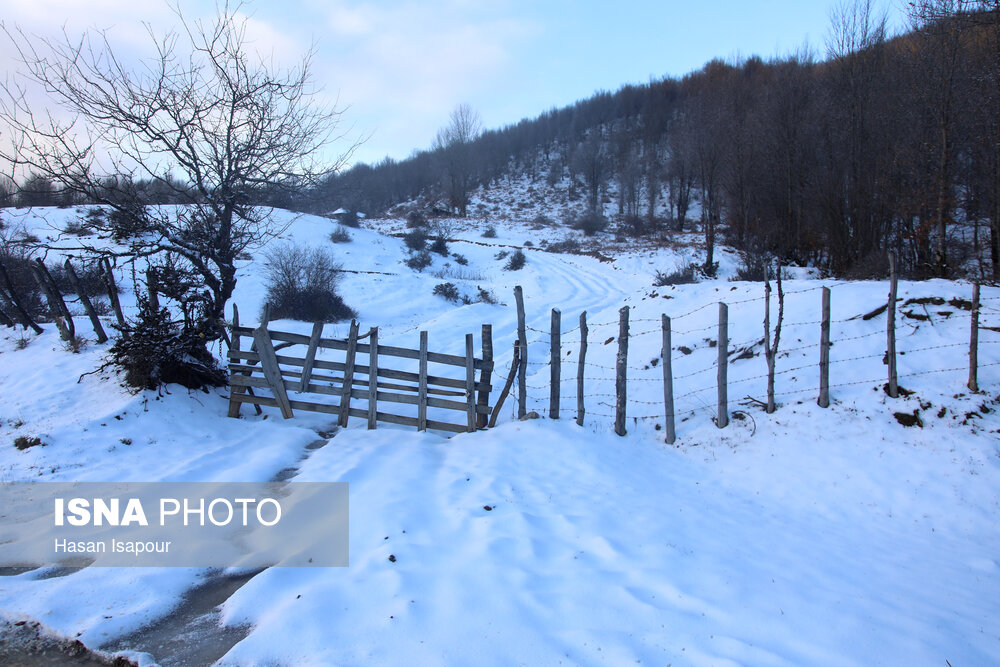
907,419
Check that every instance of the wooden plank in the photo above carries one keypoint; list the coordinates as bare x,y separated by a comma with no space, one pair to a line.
422,394
234,346
345,402
621,371
56,304
108,275
722,377
486,376
372,378
555,363
307,363
470,383
95,321
249,381
668,381
266,401
824,351
269,365
581,369
13,300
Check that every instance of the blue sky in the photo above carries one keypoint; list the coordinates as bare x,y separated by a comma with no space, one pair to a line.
400,66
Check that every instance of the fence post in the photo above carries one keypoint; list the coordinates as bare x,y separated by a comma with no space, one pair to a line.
974,341
345,396
56,305
506,387
621,371
152,289
581,369
891,328
470,383
668,381
824,352
112,286
234,344
555,362
95,321
722,418
486,376
522,369
13,301
422,388
4,320
372,378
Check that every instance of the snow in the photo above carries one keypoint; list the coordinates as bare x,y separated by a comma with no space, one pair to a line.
808,536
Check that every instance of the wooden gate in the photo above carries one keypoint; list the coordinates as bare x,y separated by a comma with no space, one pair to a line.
301,382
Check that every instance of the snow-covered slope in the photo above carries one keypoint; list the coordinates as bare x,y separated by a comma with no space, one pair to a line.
808,536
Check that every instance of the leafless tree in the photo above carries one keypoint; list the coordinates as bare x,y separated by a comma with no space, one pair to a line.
453,144
204,118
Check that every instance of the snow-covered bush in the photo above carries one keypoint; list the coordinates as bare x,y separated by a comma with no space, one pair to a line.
302,284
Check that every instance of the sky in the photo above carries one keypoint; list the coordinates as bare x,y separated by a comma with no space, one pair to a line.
398,67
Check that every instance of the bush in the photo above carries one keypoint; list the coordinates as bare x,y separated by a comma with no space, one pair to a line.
567,246
591,223
516,261
128,224
460,259
486,296
440,246
302,285
23,442
685,275
415,240
448,291
528,244
415,220
340,235
490,233
350,219
754,266
541,221
153,350
501,254
419,261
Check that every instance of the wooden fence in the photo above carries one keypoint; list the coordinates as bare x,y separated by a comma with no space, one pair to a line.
298,382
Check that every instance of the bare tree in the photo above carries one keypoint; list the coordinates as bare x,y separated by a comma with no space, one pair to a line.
453,144
204,119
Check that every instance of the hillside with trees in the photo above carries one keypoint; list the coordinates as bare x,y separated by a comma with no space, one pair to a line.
889,143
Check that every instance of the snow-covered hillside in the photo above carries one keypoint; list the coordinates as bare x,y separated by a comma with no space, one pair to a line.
808,536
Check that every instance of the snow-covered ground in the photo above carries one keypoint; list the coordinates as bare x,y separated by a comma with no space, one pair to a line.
808,536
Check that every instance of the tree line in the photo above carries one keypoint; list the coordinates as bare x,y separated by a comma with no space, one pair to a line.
888,144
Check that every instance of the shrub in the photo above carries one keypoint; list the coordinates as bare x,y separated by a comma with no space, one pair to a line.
566,246
440,246
590,223
350,219
415,220
460,259
340,235
419,261
541,221
128,224
754,266
501,254
302,285
528,244
77,227
516,261
448,291
490,233
415,240
486,296
684,275
23,442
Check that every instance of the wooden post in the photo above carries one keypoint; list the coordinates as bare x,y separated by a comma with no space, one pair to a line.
372,378
506,387
422,388
13,301
345,394
486,376
621,371
522,369
824,352
307,364
581,365
722,418
555,357
470,382
974,341
771,348
109,282
234,344
272,372
891,328
4,320
668,381
56,304
152,288
87,305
